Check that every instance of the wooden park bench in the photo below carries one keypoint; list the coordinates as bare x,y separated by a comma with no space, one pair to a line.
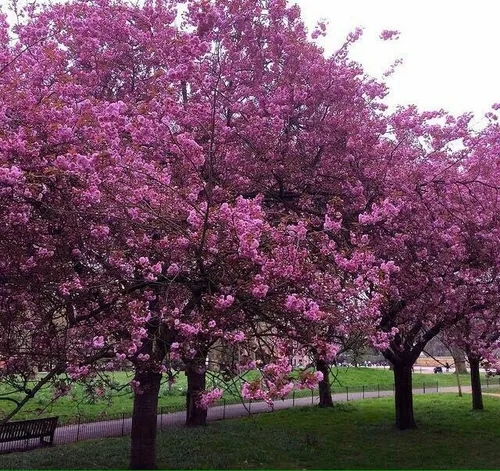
28,429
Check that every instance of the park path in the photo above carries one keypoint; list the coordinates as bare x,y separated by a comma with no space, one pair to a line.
120,427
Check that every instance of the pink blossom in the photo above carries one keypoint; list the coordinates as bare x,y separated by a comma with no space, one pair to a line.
260,290
98,342
224,302
387,34
209,397
294,304
389,267
100,232
312,312
309,379
45,253
330,225
239,337
173,269
156,268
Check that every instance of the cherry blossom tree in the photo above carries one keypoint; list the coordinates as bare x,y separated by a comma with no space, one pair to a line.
476,207
408,229
173,181
147,230
429,236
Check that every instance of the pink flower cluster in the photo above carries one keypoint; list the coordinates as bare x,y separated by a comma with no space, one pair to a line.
207,398
309,379
387,35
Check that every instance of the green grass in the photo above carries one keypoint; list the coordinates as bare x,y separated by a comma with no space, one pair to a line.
68,408
371,377
76,403
356,435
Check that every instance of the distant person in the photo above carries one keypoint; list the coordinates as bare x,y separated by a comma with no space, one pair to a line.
447,366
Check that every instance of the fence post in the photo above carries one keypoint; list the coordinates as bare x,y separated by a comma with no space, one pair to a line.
347,392
224,410
424,386
437,386
363,391
250,407
312,397
78,429
293,398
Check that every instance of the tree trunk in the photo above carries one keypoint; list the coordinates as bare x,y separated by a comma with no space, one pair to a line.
403,397
325,391
475,381
144,415
195,415
143,439
459,385
459,360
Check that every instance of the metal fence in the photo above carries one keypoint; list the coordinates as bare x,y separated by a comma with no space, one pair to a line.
78,428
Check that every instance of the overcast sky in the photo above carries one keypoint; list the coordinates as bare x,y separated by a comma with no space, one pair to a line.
450,48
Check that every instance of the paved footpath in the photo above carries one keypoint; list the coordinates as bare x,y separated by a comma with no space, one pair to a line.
120,427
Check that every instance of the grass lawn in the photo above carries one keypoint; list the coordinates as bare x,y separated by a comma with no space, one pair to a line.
371,377
68,408
357,435
76,403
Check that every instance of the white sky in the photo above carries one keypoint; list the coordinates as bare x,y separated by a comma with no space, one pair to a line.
450,48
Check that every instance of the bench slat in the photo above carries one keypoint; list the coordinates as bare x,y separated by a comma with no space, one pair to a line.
26,429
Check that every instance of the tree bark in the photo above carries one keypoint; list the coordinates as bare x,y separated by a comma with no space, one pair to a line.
144,415
475,381
144,420
325,391
459,360
196,374
404,397
459,385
